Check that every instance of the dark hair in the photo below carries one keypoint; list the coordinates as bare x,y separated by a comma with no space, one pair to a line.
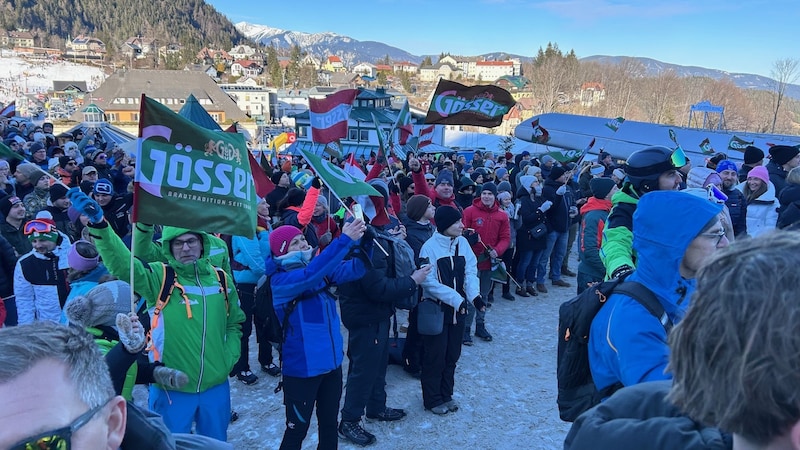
86,249
735,356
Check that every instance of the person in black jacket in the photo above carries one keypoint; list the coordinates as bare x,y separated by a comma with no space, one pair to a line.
8,260
737,206
282,182
558,220
419,212
532,212
115,206
783,159
366,307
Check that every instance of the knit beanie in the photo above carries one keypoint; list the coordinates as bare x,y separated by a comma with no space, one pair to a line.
281,237
726,164
753,155
597,170
556,172
6,204
405,182
504,195
276,177
416,206
100,305
80,262
532,170
781,154
64,160
548,158
759,172
321,200
619,173
501,172
491,187
504,186
445,176
57,192
601,187
526,181
474,176
36,176
446,216
103,186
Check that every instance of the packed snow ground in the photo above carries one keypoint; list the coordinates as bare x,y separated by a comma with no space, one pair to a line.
19,76
506,390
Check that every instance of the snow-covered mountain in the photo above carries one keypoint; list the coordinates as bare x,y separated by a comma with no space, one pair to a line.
321,45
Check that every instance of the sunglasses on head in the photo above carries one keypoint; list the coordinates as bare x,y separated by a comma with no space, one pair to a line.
38,226
60,439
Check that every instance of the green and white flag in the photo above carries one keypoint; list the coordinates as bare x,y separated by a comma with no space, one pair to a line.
6,152
614,124
338,181
190,177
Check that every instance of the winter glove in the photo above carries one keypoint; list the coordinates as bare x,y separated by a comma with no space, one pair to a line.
471,236
325,239
130,335
545,206
573,211
171,378
369,234
562,189
622,271
85,205
478,303
315,183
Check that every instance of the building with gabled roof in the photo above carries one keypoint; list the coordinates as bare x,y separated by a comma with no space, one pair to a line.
120,94
405,66
333,64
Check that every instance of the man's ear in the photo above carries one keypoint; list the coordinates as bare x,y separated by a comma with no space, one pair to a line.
117,420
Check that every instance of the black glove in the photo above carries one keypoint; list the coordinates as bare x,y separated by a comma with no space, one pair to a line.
471,236
315,183
369,234
478,303
622,271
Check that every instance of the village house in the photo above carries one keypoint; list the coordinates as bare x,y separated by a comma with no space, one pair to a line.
366,69
12,39
405,66
138,47
85,47
592,93
333,64
246,68
440,71
242,52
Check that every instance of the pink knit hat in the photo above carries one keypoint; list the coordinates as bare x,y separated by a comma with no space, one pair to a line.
759,172
280,238
78,262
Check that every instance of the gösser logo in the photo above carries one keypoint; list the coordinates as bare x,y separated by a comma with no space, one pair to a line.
446,104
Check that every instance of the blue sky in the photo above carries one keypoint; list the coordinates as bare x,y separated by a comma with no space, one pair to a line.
745,36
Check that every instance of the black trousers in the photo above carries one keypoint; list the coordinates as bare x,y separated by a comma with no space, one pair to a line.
412,349
368,351
300,395
440,354
247,299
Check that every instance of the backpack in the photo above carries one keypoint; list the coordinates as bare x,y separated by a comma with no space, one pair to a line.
576,390
401,264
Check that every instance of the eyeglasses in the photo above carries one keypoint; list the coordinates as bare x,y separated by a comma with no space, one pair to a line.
38,226
71,163
678,157
191,242
60,439
719,235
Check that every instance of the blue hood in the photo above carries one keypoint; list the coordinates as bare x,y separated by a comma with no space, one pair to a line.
664,224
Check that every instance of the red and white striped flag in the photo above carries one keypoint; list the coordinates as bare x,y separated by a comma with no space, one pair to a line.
426,136
329,116
10,110
403,123
351,167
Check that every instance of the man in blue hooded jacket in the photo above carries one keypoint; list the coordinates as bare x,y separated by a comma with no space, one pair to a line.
674,234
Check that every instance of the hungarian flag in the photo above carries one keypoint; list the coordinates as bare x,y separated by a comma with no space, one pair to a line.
481,105
614,124
338,181
403,123
10,110
352,168
263,184
190,177
426,137
329,116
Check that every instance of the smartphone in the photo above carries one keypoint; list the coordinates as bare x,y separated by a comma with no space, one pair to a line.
424,262
358,213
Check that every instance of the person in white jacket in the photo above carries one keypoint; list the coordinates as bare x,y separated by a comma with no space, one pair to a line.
452,282
762,204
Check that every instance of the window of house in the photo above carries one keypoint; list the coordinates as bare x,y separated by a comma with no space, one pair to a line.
215,116
134,117
352,134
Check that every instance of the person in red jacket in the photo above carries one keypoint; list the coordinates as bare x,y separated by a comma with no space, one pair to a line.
443,190
494,237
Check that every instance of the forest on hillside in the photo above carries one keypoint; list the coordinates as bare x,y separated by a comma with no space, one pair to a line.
192,23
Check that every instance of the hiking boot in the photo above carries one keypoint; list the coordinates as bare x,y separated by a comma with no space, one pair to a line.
353,432
467,341
439,410
532,291
271,369
522,292
452,406
480,331
541,288
508,296
491,298
247,377
388,415
567,272
561,283
234,416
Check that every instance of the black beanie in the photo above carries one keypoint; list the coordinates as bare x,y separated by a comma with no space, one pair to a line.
416,206
57,192
276,177
753,155
491,187
782,154
405,182
601,187
64,160
446,216
556,172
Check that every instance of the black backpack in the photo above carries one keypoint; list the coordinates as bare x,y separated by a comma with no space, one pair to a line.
576,390
401,264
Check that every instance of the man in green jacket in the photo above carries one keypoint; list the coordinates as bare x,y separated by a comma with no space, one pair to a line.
197,329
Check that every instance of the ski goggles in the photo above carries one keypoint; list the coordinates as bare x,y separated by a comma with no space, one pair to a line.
678,157
59,439
38,226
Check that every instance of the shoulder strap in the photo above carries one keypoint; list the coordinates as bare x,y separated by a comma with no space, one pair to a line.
167,285
223,283
646,298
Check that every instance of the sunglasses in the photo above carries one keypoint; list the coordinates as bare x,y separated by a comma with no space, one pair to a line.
38,226
60,439
101,156
678,157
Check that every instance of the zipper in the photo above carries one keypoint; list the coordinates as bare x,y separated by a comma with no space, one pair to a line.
203,343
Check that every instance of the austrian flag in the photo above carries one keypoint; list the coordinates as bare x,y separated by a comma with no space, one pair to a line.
329,116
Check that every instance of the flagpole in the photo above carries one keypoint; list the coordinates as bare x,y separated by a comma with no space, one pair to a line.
133,260
347,208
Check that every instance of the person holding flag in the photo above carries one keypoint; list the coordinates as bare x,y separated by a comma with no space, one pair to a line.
195,329
442,193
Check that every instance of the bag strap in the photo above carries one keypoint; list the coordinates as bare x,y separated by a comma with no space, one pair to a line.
646,298
223,284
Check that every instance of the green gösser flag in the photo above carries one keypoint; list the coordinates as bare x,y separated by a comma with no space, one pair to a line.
191,177
339,182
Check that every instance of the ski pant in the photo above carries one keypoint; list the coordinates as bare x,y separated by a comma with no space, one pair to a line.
300,396
439,357
247,298
413,345
368,351
485,278
210,410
